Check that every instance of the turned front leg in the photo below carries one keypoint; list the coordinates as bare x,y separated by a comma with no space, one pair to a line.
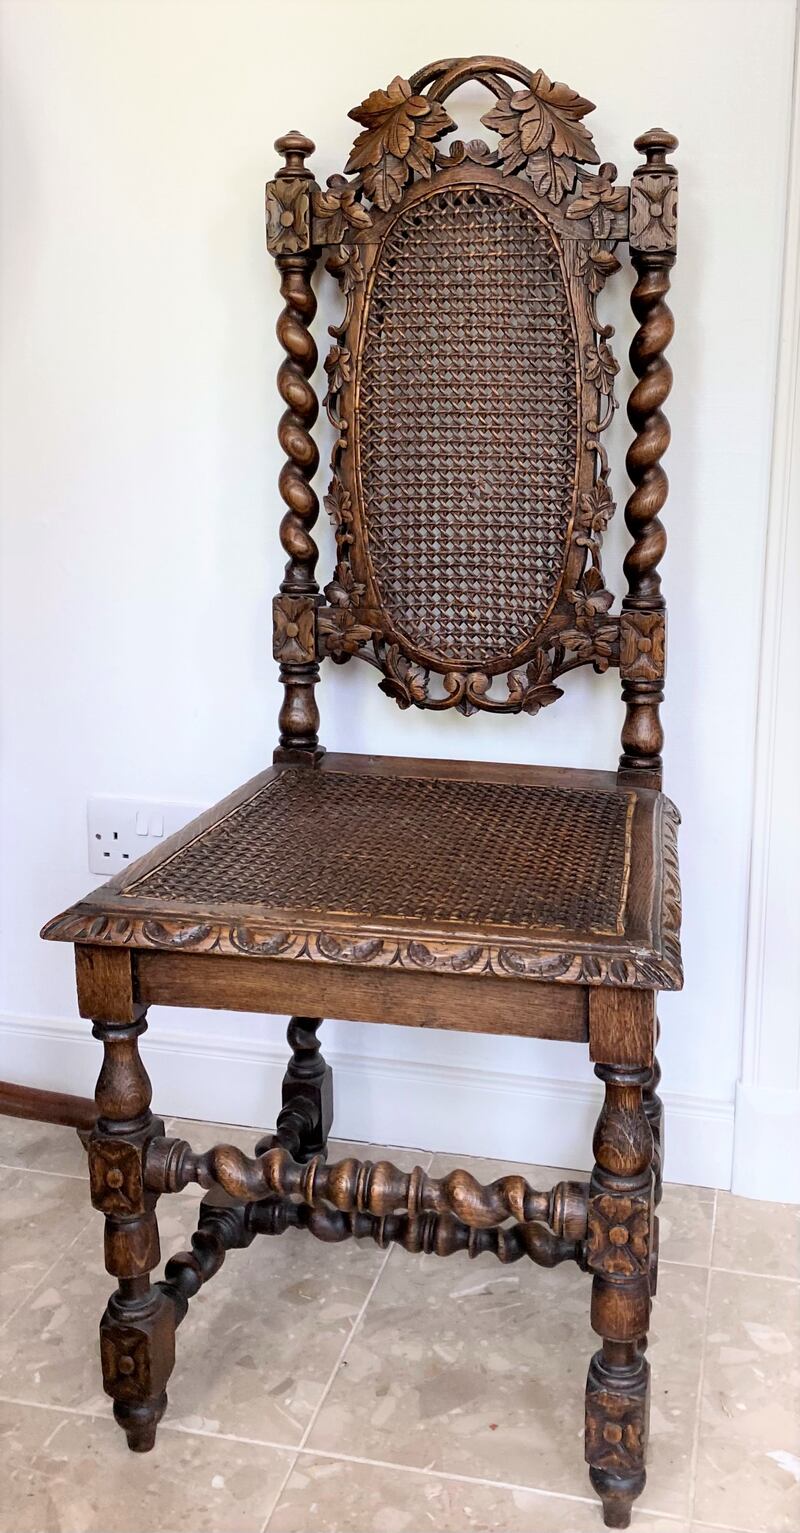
137,1331
619,1253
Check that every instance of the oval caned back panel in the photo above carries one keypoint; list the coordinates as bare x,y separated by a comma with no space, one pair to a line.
468,424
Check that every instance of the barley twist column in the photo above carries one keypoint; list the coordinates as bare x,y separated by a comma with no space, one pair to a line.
289,241
642,625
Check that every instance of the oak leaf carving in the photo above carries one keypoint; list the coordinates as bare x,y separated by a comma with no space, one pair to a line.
400,129
541,129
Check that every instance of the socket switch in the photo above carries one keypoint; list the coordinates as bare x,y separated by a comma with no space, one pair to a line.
122,829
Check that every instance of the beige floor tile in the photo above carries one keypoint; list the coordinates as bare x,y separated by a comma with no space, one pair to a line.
203,1136
748,1467
686,1220
41,1147
470,1368
757,1237
336,1496
39,1216
75,1475
50,1354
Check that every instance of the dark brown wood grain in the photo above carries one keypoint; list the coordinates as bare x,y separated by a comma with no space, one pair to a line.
406,999
470,380
47,1106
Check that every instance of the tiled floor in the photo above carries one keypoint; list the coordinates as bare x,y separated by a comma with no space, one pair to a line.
341,1389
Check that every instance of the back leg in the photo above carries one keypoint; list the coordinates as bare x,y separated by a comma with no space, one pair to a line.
306,1116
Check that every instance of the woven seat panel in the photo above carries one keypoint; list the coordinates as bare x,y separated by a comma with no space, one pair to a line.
468,424
416,848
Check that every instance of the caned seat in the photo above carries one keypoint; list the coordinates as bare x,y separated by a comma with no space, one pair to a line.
439,866
470,382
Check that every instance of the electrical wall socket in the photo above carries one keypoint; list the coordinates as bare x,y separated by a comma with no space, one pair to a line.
123,829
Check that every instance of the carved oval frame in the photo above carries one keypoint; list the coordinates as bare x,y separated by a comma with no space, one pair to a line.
585,217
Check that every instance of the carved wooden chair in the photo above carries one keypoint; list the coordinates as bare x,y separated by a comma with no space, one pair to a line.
469,385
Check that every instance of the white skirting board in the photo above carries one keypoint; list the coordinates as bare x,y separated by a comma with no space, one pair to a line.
457,1109
766,1155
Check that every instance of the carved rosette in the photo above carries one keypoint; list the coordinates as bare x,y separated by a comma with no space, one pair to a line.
288,214
642,638
654,211
115,1176
619,1235
294,629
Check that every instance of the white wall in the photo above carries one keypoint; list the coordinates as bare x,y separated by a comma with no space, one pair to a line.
140,508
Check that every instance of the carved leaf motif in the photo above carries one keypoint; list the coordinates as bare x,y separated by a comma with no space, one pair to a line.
598,199
336,210
543,125
591,599
601,366
345,265
597,265
344,590
337,366
536,689
342,635
596,509
399,133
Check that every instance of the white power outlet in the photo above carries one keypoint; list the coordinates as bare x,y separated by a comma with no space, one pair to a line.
123,829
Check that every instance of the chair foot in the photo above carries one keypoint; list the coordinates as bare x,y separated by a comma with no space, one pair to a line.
617,1409
139,1422
617,1493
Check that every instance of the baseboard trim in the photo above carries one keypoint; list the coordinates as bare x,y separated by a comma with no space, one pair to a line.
766,1146
455,1108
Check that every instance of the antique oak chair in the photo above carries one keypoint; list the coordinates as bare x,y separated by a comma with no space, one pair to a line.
469,385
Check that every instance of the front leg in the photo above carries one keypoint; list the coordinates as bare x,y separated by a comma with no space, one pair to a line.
619,1248
137,1331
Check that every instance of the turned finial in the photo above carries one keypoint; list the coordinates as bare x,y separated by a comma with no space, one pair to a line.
295,148
655,144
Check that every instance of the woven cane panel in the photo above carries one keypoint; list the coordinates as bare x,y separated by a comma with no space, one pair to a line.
468,424
416,848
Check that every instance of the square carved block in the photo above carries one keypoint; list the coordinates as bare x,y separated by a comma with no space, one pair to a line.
294,639
642,646
138,1360
115,1177
616,1425
619,1235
